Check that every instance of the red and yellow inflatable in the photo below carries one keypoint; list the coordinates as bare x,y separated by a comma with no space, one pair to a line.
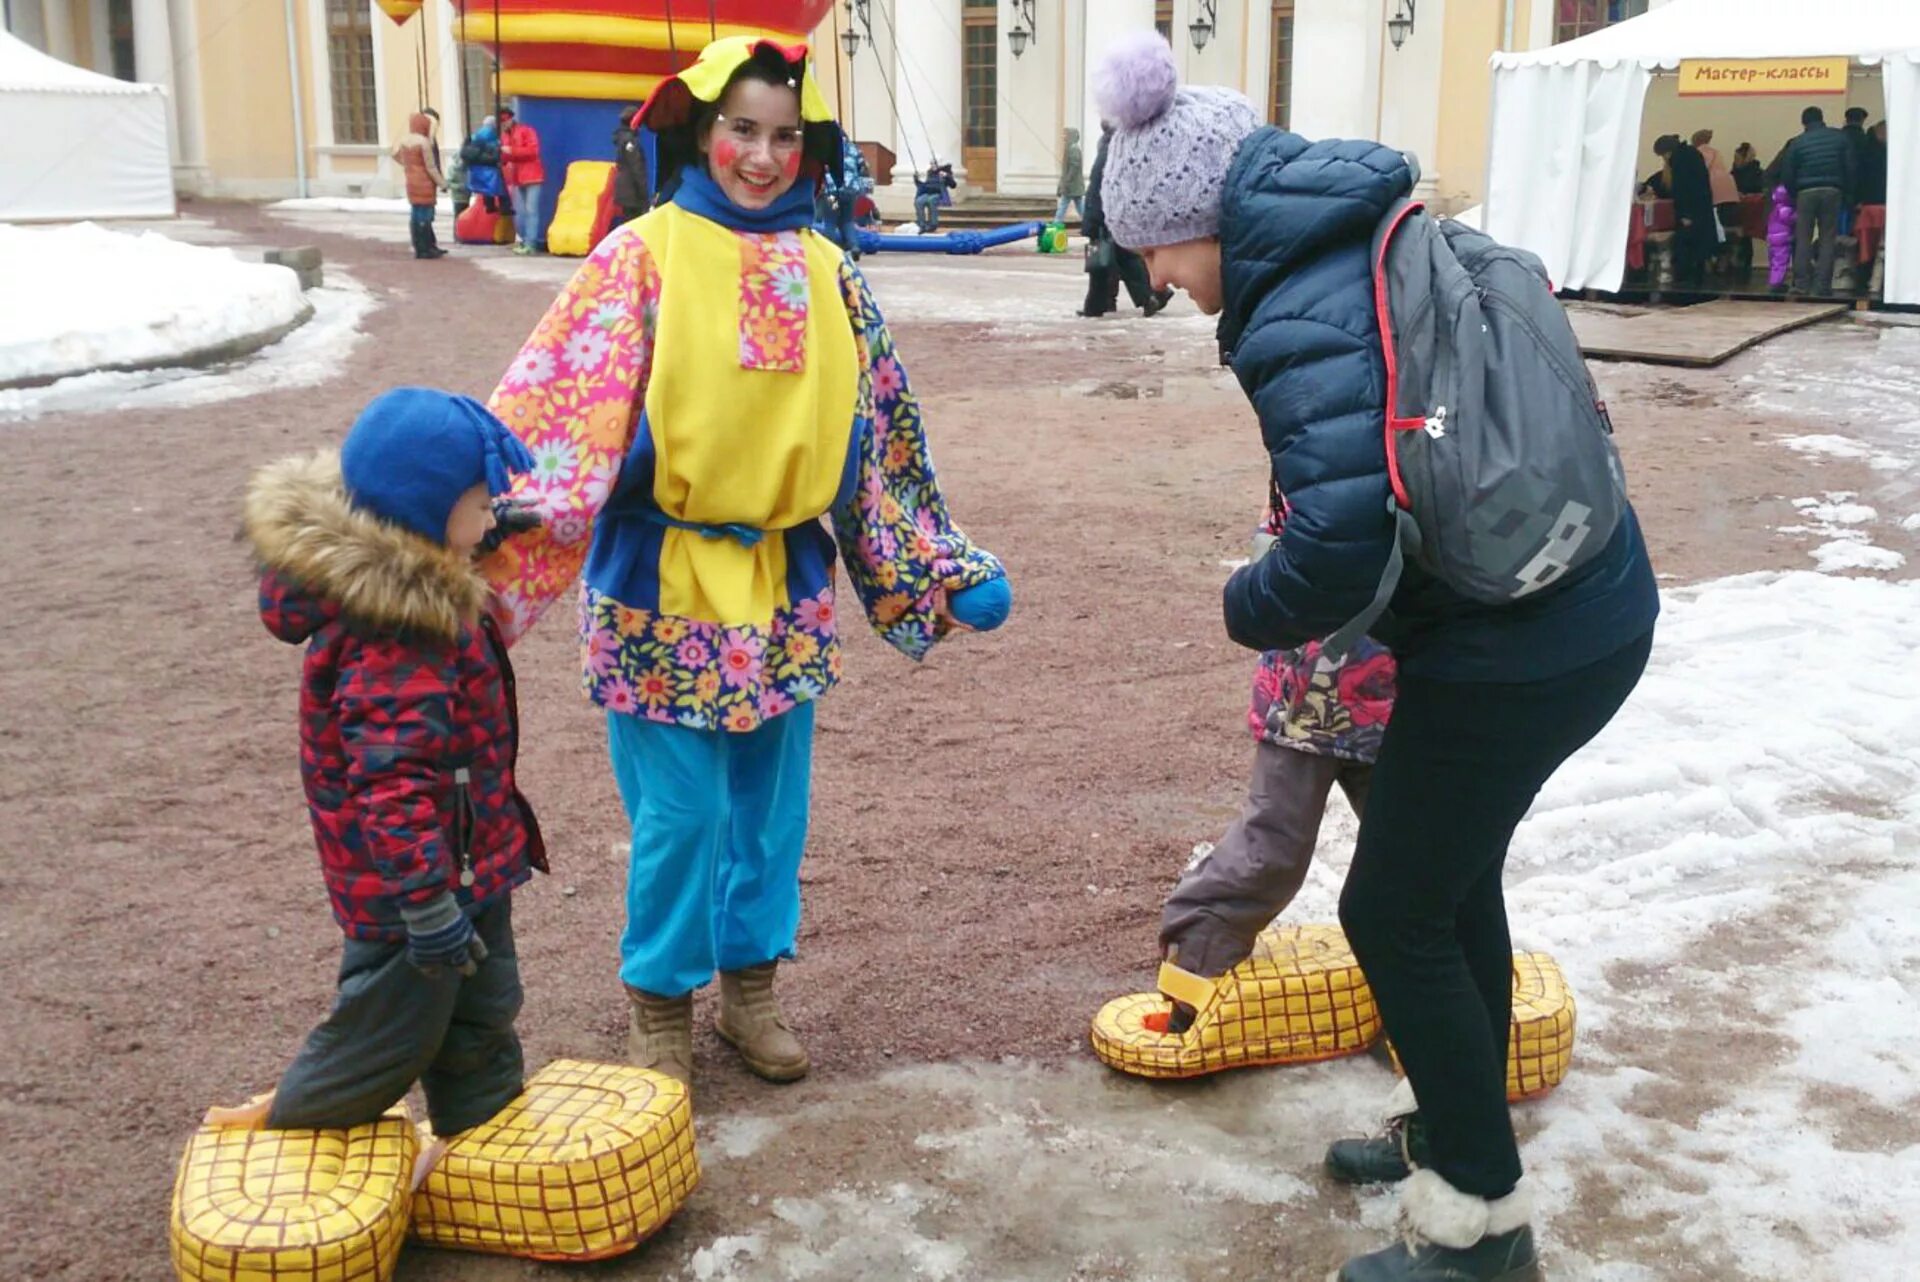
616,50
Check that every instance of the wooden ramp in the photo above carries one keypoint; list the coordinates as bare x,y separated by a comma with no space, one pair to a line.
1698,336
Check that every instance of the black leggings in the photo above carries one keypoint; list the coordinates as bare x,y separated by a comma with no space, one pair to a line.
1423,908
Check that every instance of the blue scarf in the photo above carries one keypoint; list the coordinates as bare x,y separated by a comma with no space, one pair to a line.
699,194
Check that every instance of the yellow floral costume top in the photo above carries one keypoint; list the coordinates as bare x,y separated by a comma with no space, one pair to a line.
688,435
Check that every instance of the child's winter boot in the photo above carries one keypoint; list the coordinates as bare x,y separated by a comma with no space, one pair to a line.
750,1019
1389,1156
1452,1237
660,1033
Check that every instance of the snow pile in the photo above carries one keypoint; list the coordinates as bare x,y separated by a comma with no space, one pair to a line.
108,300
311,354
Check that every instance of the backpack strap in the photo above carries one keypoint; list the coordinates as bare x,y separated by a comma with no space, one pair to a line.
1406,542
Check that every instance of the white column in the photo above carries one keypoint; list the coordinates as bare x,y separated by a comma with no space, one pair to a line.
1336,66
153,59
28,24
190,148
58,20
870,86
1106,20
1028,143
98,27
928,82
1409,115
448,83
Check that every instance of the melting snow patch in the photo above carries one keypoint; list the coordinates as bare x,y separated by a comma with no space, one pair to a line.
1832,518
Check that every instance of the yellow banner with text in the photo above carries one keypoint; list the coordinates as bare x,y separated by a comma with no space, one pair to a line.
1708,77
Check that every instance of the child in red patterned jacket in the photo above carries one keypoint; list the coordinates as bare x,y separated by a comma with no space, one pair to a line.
1317,722
408,736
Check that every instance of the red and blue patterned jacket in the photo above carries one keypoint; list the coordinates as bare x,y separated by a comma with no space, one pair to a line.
409,727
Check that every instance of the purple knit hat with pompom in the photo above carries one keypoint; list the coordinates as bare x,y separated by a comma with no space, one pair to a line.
1171,146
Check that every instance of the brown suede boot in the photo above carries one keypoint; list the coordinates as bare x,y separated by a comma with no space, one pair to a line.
660,1033
751,1021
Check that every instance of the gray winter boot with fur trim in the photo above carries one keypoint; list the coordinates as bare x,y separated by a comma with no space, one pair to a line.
1452,1236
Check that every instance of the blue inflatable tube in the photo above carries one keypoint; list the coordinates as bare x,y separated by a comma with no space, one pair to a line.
951,242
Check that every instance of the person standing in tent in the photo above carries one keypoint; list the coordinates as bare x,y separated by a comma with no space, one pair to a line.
1726,196
1696,237
1817,168
1274,234
520,157
716,380
420,162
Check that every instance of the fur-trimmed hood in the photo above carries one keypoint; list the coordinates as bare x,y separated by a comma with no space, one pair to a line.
324,560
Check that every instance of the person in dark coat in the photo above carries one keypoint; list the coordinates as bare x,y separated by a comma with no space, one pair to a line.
1873,171
1749,177
632,192
1108,265
1855,132
1274,234
1695,238
1817,168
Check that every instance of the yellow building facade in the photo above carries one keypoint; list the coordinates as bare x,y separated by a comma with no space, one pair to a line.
272,98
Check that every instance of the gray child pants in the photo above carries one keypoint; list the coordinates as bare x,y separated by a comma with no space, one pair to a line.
1224,900
393,1024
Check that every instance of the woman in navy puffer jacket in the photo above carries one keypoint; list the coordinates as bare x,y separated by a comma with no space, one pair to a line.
1274,234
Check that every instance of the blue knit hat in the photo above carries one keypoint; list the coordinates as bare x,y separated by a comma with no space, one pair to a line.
413,452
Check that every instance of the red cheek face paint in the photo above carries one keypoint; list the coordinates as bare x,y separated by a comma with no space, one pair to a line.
725,154
791,165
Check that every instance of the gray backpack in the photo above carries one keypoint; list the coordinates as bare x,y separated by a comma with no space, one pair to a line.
1505,477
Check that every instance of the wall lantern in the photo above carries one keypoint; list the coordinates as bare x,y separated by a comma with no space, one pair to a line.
1200,30
1400,25
859,14
1023,29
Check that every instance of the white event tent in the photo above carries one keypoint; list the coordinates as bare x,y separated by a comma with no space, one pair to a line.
75,144
1566,139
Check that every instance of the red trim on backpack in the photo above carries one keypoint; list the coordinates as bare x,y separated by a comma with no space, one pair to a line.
1394,422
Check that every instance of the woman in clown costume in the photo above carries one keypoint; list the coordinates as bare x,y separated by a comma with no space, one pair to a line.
715,380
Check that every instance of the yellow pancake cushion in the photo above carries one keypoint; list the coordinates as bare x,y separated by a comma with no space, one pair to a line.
1540,1045
589,1161
1299,998
294,1206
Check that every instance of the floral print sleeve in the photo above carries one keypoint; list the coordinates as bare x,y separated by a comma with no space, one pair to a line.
900,546
573,394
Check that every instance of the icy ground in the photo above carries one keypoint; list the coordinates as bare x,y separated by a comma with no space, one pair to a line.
1727,877
103,298
1861,376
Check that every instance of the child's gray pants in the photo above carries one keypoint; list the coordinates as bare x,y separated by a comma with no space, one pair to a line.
393,1025
1225,900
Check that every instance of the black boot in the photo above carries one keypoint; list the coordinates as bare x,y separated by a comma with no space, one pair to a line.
432,242
1386,1158
1452,1236
1506,1258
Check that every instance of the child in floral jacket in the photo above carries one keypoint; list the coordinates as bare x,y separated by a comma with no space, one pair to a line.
408,740
1317,722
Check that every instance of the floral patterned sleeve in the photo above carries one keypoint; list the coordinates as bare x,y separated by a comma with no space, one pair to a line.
573,394
900,546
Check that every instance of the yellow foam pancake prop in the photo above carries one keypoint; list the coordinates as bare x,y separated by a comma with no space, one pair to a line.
1540,1046
294,1206
1299,998
587,1163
